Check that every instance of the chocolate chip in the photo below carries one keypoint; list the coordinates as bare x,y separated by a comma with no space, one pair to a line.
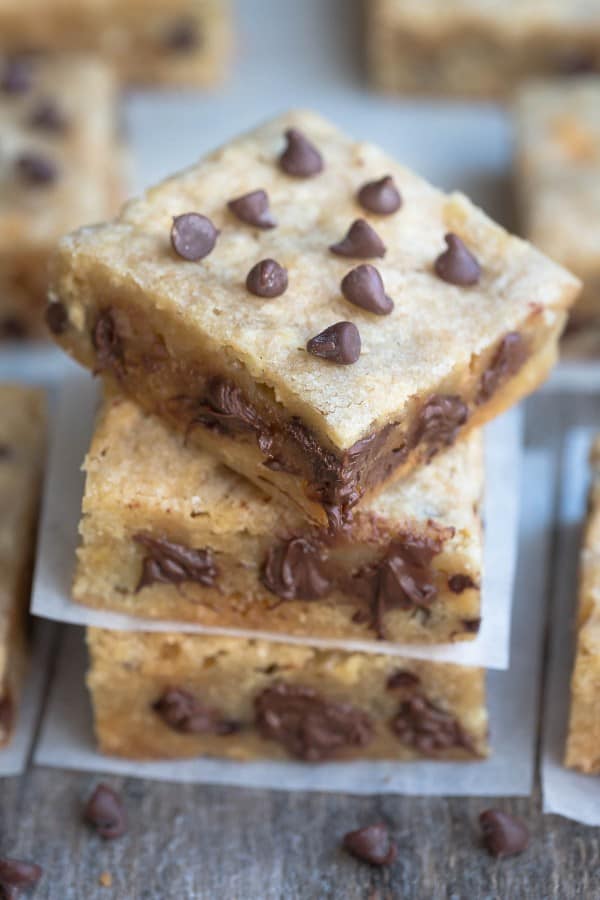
182,36
184,712
16,874
107,344
508,359
106,813
57,318
402,678
340,343
439,421
307,725
12,328
225,409
267,279
460,583
166,562
295,570
381,197
371,844
363,286
17,76
422,725
361,241
577,63
193,236
253,209
401,579
300,157
6,452
503,834
48,117
472,625
36,169
456,264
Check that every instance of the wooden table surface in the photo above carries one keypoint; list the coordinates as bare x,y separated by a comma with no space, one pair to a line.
218,843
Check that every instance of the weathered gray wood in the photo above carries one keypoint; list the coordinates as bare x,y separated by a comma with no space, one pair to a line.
214,843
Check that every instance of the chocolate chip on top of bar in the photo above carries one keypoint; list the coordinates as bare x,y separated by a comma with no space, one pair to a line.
353,374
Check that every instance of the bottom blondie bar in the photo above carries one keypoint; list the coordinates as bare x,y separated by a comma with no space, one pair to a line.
21,450
583,741
167,695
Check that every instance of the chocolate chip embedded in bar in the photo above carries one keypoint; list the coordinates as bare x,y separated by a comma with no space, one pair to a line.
478,50
168,532
350,374
178,42
168,695
60,168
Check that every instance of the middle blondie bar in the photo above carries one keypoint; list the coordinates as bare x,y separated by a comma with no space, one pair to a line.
311,311
168,532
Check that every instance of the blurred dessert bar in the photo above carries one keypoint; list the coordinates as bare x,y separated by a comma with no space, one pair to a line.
59,167
160,695
583,740
169,532
312,312
22,441
478,48
558,177
178,42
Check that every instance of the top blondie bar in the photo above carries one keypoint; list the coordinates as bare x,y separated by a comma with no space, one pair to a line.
311,311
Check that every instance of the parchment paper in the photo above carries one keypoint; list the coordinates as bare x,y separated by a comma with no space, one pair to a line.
62,507
565,791
66,739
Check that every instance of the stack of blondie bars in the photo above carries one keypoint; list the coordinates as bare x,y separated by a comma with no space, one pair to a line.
299,341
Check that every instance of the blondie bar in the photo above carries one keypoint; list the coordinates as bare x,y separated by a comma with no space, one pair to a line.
22,437
180,42
168,532
160,695
234,301
583,741
478,48
558,177
59,168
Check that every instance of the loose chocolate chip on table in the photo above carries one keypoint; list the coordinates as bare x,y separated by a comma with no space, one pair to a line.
17,76
371,844
57,317
307,725
300,157
193,236
36,169
166,562
48,117
503,834
363,286
361,241
295,570
456,264
267,279
340,343
381,197
182,37
253,209
460,583
105,812
183,712
15,874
